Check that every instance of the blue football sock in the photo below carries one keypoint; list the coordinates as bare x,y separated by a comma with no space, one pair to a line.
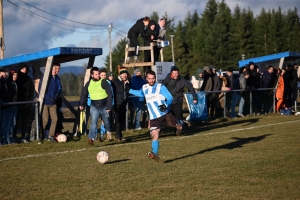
102,129
155,146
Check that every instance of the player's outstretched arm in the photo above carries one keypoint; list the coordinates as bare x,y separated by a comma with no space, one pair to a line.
138,93
165,92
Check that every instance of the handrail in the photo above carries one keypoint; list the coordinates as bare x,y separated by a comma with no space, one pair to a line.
37,103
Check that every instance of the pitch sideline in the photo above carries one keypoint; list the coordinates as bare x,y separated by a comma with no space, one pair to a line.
118,145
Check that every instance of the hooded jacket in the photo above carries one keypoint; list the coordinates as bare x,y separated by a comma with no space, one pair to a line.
137,83
176,86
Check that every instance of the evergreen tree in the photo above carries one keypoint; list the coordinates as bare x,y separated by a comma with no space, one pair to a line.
261,33
216,44
292,31
203,29
241,35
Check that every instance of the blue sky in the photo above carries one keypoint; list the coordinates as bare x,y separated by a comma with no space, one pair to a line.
26,31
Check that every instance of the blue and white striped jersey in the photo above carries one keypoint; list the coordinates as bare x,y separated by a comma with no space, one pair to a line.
155,96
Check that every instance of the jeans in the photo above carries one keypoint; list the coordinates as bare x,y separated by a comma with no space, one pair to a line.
95,114
10,123
139,107
235,98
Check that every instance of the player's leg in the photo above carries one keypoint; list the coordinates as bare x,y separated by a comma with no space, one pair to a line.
154,131
171,121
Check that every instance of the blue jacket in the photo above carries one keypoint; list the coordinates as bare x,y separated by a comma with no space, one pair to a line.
137,83
53,90
267,80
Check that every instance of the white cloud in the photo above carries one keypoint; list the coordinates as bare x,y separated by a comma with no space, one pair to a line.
25,33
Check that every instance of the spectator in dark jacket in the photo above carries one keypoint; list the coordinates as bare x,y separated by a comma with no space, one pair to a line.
121,88
52,93
11,110
267,82
230,82
133,34
25,93
175,84
3,99
137,83
148,35
254,83
294,84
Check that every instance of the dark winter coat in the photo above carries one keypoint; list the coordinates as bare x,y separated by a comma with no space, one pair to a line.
121,91
136,29
267,80
3,92
230,81
176,86
26,87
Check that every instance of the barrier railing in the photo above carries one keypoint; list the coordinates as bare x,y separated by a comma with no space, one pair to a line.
37,103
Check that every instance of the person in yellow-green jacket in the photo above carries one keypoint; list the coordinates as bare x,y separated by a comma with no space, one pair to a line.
101,103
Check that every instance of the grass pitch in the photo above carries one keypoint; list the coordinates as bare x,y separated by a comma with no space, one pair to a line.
255,157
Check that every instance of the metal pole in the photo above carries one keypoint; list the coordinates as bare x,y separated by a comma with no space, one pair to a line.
224,111
274,96
173,58
251,111
1,31
110,50
37,119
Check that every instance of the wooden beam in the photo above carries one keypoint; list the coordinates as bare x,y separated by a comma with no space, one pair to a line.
47,73
141,48
139,64
66,102
88,70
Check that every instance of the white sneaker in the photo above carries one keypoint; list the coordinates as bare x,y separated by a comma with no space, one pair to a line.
137,129
24,141
240,114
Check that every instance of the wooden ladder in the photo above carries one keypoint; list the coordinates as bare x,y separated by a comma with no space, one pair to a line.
144,48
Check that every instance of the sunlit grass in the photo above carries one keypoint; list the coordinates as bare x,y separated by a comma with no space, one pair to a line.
252,157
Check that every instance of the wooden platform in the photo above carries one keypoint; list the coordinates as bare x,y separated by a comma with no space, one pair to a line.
142,64
138,64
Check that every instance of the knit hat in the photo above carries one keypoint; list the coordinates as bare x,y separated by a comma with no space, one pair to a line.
218,73
137,70
174,67
123,70
251,63
206,68
109,73
230,69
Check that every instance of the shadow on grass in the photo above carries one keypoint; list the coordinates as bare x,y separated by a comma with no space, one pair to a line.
117,161
240,142
195,129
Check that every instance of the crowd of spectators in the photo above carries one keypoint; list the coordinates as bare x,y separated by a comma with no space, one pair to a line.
223,90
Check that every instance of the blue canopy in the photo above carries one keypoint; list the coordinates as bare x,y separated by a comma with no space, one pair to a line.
60,54
272,59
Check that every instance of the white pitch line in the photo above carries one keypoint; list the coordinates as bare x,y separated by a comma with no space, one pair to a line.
118,145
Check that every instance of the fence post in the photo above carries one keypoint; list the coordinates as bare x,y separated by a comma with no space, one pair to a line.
274,96
251,103
37,105
224,111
